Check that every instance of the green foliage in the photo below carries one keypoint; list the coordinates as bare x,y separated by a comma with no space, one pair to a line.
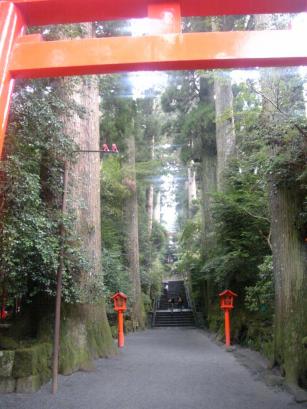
190,244
118,110
31,193
283,125
259,297
152,249
147,302
240,212
158,237
116,276
189,101
242,228
113,194
200,128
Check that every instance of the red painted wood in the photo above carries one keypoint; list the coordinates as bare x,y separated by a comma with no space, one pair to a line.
11,26
41,12
227,327
120,329
166,52
168,17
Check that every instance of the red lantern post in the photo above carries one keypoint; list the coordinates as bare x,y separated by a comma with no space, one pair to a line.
120,305
226,304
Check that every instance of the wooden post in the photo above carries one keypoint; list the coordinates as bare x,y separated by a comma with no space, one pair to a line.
227,327
121,337
57,324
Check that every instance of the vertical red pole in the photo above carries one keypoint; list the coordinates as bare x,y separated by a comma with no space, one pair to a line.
11,27
227,327
121,337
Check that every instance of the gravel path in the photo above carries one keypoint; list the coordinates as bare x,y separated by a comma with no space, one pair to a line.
170,368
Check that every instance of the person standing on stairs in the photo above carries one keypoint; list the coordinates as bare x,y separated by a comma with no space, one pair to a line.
172,303
180,302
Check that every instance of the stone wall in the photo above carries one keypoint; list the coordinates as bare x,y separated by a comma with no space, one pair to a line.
26,369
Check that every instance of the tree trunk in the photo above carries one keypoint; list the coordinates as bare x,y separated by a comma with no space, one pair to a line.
208,188
149,208
224,118
290,273
286,202
150,195
157,207
289,262
84,178
208,180
84,175
191,188
85,332
132,236
225,129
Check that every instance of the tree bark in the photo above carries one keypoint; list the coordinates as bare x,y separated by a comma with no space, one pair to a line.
208,187
225,128
224,117
192,194
157,207
132,236
290,275
288,247
84,177
150,194
86,334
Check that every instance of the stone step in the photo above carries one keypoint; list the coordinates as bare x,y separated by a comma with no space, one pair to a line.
178,317
174,313
175,319
174,325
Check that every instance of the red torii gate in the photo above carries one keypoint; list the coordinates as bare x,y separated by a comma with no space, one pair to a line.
27,56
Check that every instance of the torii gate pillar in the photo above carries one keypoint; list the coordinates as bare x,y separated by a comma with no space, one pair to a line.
11,28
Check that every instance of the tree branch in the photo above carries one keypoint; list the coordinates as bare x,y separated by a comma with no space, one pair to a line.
287,116
255,216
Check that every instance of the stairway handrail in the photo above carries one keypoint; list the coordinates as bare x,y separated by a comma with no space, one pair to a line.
190,300
155,307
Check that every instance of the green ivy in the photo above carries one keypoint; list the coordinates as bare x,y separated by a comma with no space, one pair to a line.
31,194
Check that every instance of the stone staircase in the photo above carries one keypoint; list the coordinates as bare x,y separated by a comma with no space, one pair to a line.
176,318
165,315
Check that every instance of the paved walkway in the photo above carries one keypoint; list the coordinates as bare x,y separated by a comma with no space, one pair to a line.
160,369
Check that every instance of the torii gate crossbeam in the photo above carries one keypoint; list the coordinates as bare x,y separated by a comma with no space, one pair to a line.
41,12
27,56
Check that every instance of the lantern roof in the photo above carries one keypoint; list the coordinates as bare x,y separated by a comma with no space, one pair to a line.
119,294
228,292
